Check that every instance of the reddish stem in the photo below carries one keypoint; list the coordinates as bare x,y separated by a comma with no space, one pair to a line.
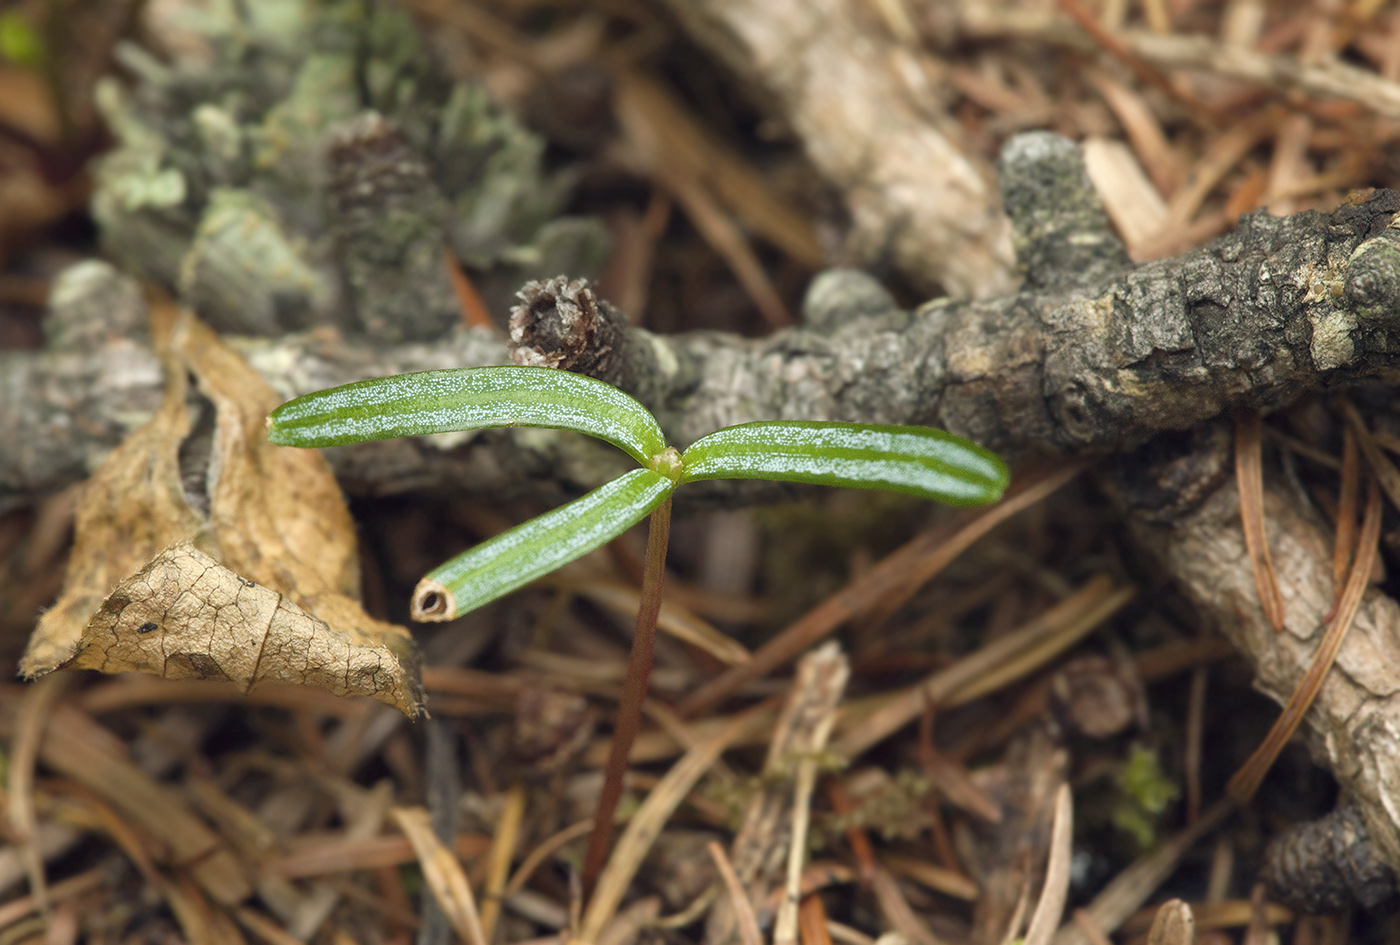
634,693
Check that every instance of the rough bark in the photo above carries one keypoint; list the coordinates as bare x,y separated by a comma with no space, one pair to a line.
1278,308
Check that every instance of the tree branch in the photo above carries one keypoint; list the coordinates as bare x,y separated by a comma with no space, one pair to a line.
1084,360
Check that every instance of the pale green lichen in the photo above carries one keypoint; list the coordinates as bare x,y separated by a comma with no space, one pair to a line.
257,118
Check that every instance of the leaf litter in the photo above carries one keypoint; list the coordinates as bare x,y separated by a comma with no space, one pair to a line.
1206,168
202,551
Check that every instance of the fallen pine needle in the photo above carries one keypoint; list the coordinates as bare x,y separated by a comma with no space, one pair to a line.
16,909
1251,774
1346,512
475,314
645,825
934,877
443,873
902,572
341,855
898,912
29,731
1127,891
996,664
749,933
263,927
1384,469
817,690
498,861
1051,907
811,922
1089,927
547,848
1249,474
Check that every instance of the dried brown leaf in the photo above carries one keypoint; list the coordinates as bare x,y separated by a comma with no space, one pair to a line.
186,616
205,527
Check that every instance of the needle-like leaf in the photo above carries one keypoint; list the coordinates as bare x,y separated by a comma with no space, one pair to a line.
531,550
919,461
467,399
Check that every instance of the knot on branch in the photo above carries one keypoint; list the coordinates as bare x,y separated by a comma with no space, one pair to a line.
560,323
1062,234
1373,276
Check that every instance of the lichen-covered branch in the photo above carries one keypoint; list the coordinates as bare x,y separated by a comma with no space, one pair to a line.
1276,309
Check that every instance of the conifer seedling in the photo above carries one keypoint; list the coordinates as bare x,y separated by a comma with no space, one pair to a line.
918,461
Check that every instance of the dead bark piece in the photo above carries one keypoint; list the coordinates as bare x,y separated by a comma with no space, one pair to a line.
860,104
276,547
